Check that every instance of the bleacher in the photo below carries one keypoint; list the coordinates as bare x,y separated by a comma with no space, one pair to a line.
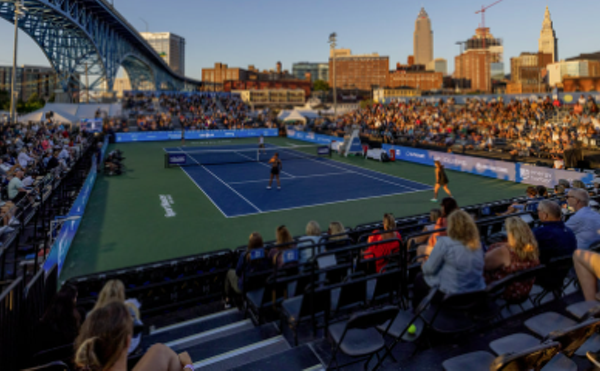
292,317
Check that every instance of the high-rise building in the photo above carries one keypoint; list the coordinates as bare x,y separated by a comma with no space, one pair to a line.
423,39
438,65
558,71
527,73
361,72
170,47
42,81
548,43
318,71
481,60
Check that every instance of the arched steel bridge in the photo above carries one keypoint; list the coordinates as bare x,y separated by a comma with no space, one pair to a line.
74,34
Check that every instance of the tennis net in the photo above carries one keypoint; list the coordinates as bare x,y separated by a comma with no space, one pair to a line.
232,156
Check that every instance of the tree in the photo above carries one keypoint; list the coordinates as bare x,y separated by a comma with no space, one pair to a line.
320,85
52,98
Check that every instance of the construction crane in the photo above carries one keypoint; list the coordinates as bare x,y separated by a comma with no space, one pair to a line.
482,11
483,34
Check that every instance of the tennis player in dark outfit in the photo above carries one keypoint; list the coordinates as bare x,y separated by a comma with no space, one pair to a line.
275,168
441,180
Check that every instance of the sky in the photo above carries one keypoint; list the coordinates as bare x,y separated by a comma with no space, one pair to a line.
262,32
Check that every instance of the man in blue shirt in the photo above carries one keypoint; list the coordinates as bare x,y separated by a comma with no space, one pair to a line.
586,222
553,237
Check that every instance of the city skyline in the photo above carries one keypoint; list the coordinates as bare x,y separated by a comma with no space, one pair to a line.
235,33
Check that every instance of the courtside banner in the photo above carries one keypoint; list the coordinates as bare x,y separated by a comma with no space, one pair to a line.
62,244
308,136
177,159
152,136
514,172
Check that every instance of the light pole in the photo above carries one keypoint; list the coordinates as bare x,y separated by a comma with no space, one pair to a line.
332,45
143,20
13,84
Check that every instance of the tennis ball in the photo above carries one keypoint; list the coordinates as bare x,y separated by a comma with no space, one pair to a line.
412,329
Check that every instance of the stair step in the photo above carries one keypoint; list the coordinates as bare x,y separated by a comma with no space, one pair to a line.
241,356
299,358
230,343
191,327
210,335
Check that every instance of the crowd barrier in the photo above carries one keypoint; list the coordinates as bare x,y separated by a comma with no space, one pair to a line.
60,248
565,98
148,93
510,171
513,172
192,135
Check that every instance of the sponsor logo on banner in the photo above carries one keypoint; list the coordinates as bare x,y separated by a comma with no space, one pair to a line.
486,167
177,159
398,153
524,173
166,201
415,154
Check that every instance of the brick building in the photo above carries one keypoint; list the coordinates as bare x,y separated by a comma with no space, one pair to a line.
581,84
527,73
217,77
359,72
295,84
421,80
483,54
42,81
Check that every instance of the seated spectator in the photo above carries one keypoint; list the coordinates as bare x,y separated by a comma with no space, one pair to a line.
114,290
16,188
284,241
587,267
578,184
105,337
434,216
517,207
244,267
336,232
310,242
586,222
60,324
383,249
542,192
553,237
447,206
520,252
456,262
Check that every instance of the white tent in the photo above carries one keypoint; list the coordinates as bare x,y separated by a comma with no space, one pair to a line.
40,115
294,116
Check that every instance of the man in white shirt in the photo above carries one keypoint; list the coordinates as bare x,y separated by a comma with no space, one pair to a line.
586,222
24,159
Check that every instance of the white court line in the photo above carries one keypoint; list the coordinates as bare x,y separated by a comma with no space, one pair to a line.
228,186
206,194
328,203
260,163
296,177
365,175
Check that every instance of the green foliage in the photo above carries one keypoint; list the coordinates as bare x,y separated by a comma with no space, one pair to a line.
4,100
34,103
320,85
52,98
366,103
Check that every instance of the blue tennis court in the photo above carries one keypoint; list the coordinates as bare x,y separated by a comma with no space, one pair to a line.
240,188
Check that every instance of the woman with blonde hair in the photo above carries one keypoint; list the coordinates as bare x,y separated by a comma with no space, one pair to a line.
520,252
114,290
337,237
284,241
310,242
456,262
105,337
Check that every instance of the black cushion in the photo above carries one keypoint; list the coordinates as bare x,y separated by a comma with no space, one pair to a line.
513,343
579,310
545,323
476,361
357,342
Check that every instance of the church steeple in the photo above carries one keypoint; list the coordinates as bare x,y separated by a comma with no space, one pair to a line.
548,42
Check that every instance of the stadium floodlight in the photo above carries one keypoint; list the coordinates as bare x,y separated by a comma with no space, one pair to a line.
332,45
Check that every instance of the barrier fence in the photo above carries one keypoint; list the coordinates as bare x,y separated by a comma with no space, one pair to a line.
192,135
62,244
512,172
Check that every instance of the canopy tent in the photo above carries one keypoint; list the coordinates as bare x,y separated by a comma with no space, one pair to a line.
85,111
40,115
294,116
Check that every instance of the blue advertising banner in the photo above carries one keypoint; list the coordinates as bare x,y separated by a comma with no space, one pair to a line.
60,248
308,136
192,135
177,159
514,172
